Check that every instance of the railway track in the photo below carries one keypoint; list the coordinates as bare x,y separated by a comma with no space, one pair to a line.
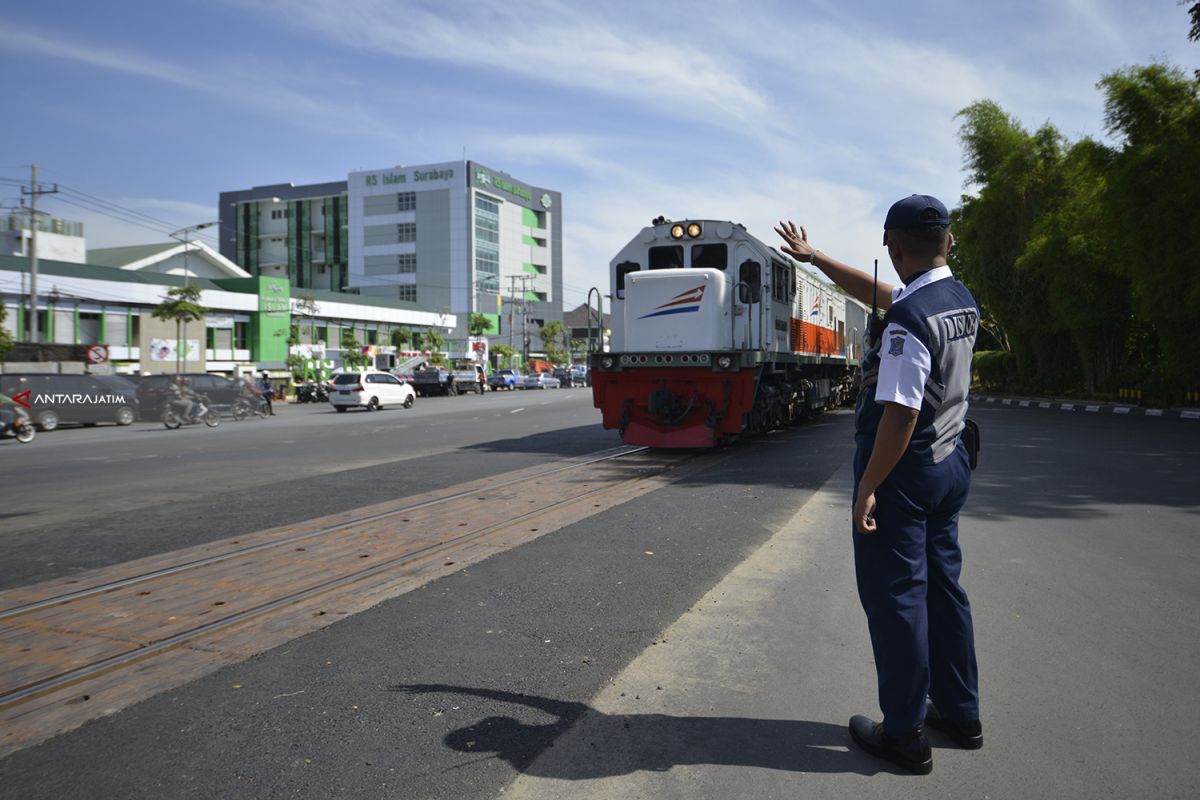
135,629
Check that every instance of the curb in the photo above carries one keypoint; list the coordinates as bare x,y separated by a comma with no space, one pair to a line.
1091,407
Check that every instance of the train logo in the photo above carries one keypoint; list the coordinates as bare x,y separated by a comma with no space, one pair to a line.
682,303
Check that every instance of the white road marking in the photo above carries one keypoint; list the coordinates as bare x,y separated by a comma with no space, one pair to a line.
1092,408
1043,405
1006,401
516,411
1068,407
1189,414
1024,404
1122,409
1153,412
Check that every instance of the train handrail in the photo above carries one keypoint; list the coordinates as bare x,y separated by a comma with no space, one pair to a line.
599,319
733,304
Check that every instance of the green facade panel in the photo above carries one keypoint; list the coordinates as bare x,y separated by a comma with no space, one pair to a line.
529,218
270,327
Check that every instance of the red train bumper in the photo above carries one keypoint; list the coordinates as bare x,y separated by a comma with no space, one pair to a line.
674,407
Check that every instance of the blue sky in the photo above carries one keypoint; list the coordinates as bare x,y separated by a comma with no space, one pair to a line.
817,111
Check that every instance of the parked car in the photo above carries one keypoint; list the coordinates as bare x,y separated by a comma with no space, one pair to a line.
153,391
370,389
505,379
86,399
581,375
542,380
565,378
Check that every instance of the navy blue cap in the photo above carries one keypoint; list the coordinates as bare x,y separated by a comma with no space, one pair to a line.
916,211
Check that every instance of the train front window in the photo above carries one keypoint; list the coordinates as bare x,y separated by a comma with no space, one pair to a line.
710,256
750,274
666,257
623,269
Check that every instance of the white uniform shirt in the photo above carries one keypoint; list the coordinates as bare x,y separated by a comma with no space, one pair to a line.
904,361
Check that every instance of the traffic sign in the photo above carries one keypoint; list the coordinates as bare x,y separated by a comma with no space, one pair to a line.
97,353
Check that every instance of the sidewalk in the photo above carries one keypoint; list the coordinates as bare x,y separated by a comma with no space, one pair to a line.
748,694
1088,406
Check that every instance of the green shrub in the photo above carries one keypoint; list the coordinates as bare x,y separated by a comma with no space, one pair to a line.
995,370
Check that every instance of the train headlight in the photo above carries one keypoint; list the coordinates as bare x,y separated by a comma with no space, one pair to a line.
606,362
694,229
724,362
676,231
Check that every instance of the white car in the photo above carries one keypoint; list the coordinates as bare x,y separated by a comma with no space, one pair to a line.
542,380
370,389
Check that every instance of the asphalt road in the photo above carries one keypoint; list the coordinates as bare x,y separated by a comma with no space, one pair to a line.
79,498
507,678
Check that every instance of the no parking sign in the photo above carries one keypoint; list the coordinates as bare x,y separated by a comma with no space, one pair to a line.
97,353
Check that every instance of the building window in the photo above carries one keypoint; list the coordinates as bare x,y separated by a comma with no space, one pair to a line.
406,201
407,263
408,293
279,213
89,327
406,232
241,335
487,244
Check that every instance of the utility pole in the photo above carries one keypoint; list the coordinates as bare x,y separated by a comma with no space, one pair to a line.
34,192
512,294
181,346
525,279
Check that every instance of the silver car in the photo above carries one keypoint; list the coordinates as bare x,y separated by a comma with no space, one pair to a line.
543,380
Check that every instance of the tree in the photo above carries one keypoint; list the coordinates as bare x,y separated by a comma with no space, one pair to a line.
307,308
503,351
401,337
1083,254
352,355
1019,177
1152,207
478,324
434,343
552,334
6,342
182,304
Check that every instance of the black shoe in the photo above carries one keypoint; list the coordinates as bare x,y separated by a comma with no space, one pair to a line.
968,735
910,751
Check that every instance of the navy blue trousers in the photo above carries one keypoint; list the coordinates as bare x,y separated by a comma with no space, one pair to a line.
907,572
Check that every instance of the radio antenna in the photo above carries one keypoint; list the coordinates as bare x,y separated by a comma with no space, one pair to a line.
875,291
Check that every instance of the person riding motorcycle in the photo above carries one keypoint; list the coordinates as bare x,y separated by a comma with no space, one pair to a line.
184,399
10,412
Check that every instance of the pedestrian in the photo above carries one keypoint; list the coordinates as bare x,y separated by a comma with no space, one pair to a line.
268,391
911,477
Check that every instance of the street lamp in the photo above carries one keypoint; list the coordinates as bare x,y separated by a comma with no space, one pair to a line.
185,233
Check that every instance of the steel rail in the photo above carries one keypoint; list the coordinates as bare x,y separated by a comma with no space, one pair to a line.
112,586
41,686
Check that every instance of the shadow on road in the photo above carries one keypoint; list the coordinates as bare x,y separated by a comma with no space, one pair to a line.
619,744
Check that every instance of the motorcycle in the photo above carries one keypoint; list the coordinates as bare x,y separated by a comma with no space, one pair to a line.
245,406
172,418
17,422
312,393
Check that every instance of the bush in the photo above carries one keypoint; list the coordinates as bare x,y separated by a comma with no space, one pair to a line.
995,370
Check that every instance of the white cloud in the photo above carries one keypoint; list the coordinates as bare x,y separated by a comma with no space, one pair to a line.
303,108
546,42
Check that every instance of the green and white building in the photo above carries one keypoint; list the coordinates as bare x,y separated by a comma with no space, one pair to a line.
456,237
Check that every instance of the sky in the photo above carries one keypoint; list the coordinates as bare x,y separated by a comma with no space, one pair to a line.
754,111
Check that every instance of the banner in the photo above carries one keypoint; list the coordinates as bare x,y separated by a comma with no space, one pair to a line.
165,349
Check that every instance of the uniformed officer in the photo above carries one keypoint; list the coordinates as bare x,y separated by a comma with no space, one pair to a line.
911,477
